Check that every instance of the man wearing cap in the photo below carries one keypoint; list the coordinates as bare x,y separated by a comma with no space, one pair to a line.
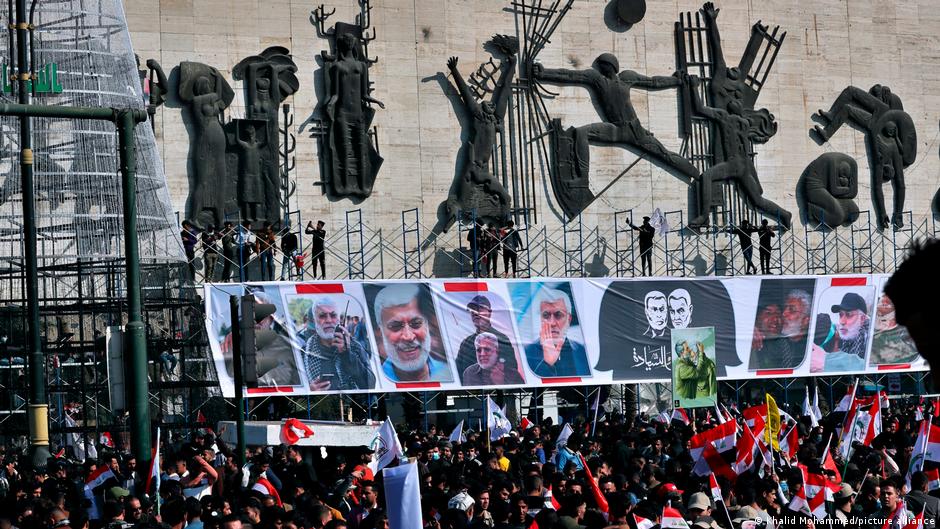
647,231
463,503
844,501
853,335
481,313
488,370
918,500
332,358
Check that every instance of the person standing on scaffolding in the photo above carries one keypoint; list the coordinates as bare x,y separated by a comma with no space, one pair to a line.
493,243
210,253
512,243
288,251
764,235
647,231
474,240
189,245
267,244
244,241
228,250
744,231
317,247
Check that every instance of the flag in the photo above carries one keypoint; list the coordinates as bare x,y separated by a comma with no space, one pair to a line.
933,479
663,417
387,447
105,440
919,451
918,521
265,487
717,496
721,416
790,443
707,448
563,436
403,496
550,501
747,446
76,441
816,411
678,414
808,410
457,435
293,430
874,423
643,523
599,498
932,450
829,464
154,474
99,476
525,424
846,401
919,413
496,421
772,430
672,519
756,417
811,498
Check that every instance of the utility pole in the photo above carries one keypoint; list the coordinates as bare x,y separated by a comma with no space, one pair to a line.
38,405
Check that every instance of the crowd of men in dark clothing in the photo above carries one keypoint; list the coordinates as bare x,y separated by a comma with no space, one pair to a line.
236,247
522,481
486,243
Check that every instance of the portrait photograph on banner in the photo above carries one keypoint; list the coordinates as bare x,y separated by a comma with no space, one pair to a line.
891,344
782,325
843,327
480,336
694,374
276,363
407,333
332,337
549,328
637,317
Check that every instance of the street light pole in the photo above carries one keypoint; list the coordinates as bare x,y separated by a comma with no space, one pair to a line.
38,405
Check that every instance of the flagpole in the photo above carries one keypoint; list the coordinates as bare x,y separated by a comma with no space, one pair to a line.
486,411
157,491
597,407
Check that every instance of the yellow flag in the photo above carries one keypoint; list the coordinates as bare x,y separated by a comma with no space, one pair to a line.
772,431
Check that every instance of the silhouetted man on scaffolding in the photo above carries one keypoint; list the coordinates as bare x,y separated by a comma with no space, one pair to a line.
744,231
317,247
647,231
764,235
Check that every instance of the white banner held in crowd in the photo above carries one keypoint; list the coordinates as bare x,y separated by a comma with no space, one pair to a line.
403,496
457,435
563,436
387,447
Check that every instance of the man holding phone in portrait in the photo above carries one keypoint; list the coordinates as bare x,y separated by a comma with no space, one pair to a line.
332,358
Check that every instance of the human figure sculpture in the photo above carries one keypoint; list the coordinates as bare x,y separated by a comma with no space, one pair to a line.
250,181
269,78
620,126
208,95
475,188
355,162
891,140
736,131
827,189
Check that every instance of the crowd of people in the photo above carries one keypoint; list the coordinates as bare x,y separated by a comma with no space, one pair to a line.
235,247
615,473
486,243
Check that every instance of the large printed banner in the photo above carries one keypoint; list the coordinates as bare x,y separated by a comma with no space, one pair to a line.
361,336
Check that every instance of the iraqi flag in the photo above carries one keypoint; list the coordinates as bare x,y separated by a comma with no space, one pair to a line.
747,450
265,487
154,474
932,447
672,519
679,414
99,476
790,443
829,464
874,423
708,448
717,497
525,424
811,498
933,479
848,399
756,418
643,523
550,501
